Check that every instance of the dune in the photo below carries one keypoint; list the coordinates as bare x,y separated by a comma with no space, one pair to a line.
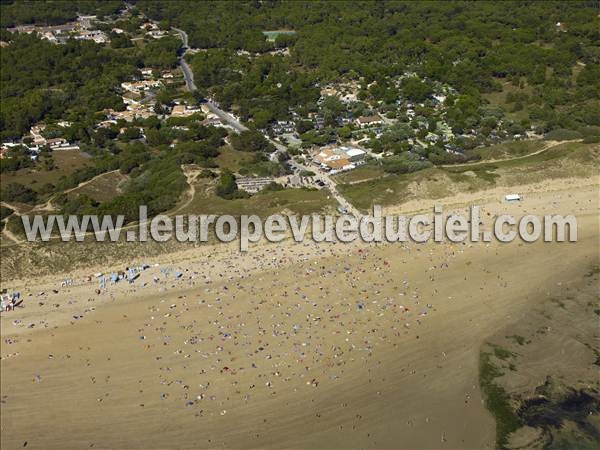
290,346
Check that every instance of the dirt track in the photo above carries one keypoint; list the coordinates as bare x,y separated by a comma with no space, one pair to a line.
361,347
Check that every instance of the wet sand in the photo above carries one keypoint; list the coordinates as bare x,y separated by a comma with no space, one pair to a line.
293,346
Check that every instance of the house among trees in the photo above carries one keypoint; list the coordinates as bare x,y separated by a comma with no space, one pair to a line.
139,86
369,121
283,126
339,158
184,110
36,134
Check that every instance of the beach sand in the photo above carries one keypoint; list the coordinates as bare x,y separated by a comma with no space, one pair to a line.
288,346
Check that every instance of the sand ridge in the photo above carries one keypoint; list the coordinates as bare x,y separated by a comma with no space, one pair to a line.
290,347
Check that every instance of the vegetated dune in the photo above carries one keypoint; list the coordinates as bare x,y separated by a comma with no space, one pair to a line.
292,346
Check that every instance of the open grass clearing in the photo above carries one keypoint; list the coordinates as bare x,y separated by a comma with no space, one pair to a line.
232,159
362,173
66,162
102,188
299,201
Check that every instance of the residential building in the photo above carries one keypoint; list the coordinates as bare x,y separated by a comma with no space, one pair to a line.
184,110
369,121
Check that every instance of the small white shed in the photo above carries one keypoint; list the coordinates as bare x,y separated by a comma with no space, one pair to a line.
512,198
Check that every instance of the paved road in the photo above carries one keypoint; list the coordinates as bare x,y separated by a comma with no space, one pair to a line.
280,148
189,82
187,74
331,185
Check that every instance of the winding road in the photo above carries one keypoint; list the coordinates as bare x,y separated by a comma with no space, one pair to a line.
237,126
188,75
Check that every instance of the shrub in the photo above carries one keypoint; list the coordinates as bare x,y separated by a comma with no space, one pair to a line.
206,173
16,192
591,139
273,186
5,211
591,130
562,134
227,186
404,163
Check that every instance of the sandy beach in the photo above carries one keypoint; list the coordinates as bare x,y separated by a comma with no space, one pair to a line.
287,346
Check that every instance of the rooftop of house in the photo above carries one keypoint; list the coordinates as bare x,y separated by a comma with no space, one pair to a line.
369,119
328,154
337,164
